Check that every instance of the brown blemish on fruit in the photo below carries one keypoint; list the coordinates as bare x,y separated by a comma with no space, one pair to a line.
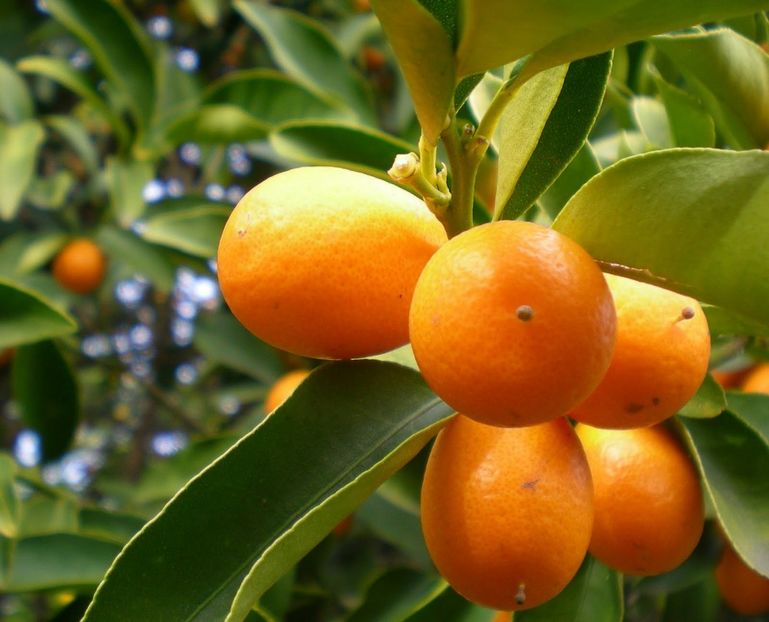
634,408
656,401
531,484
524,313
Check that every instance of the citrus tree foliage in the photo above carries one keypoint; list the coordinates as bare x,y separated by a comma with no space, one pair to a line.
139,476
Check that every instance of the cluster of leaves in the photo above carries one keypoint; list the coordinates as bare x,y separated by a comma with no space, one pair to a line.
111,124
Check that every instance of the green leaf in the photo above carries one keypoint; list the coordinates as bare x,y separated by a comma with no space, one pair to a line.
496,32
138,256
593,595
543,131
424,50
75,133
24,252
577,172
751,408
118,47
690,123
691,220
209,12
737,487
303,48
59,561
43,515
100,523
19,145
700,602
722,322
216,123
708,402
651,118
16,103
9,497
448,606
396,595
354,422
730,74
338,144
51,192
125,183
45,388
222,339
60,71
26,317
195,230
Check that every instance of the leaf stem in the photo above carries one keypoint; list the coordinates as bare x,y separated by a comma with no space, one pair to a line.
518,77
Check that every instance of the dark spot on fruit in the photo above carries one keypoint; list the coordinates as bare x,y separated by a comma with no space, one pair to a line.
687,313
656,401
531,484
633,408
524,313
520,595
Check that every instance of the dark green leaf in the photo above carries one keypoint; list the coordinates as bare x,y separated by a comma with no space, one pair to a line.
709,401
396,595
593,595
700,602
425,54
346,429
752,409
118,46
731,76
302,48
15,100
19,145
75,133
579,170
9,497
222,339
733,459
45,388
59,561
103,524
496,32
691,220
25,317
194,230
337,144
448,606
138,256
723,322
576,97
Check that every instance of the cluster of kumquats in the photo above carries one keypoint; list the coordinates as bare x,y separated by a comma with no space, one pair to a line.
514,326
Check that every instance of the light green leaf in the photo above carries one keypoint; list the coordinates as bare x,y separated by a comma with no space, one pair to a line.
24,252
222,339
721,323
59,561
16,103
731,75
52,191
737,487
482,95
216,123
691,220
125,183
593,595
209,12
424,50
60,71
496,32
303,48
271,509
45,388
651,118
541,134
119,47
19,145
338,144
709,401
43,515
138,256
9,497
396,595
26,317
690,123
195,230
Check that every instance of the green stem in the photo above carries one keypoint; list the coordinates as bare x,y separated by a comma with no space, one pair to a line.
427,157
490,120
459,215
